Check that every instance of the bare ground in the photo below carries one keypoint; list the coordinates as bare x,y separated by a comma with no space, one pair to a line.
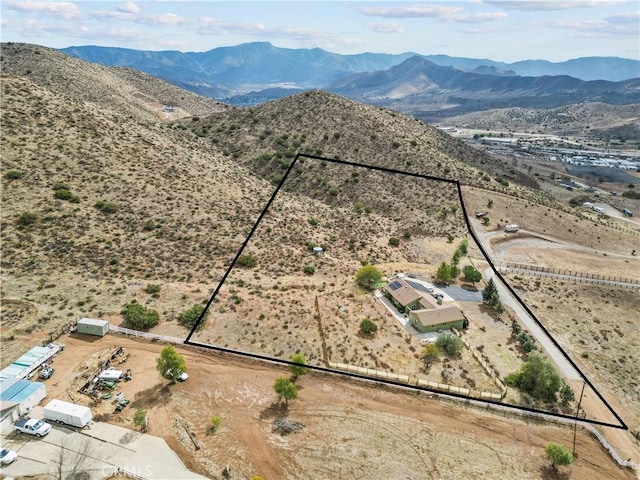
352,429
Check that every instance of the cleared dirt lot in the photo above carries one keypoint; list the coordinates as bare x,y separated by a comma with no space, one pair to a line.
352,429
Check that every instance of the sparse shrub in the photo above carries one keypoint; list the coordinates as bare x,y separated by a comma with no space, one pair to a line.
68,195
450,344
394,241
106,207
152,288
367,327
189,317
13,175
247,261
309,269
149,226
27,218
214,425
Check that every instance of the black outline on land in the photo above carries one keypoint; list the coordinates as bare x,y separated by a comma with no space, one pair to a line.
188,341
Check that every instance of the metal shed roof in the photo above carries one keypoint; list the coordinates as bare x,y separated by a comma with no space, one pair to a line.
12,390
93,321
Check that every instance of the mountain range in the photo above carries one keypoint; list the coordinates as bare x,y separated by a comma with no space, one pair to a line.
430,87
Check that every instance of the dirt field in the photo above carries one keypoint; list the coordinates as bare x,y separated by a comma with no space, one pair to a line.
352,429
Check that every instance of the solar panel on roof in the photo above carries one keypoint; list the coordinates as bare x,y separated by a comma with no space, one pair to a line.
395,285
418,286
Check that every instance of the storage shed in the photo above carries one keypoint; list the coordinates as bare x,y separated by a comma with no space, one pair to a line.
25,393
92,326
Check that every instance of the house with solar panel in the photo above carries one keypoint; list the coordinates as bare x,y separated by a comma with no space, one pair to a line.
425,313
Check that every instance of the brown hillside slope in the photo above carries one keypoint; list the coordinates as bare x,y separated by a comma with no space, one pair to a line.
125,91
324,124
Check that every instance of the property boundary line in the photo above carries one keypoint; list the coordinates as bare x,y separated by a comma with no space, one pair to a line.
472,233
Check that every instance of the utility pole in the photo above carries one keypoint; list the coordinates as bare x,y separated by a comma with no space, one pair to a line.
575,425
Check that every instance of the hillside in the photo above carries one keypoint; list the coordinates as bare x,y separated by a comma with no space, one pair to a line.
103,198
125,91
98,195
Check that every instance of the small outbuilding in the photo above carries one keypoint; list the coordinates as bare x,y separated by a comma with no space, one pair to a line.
92,326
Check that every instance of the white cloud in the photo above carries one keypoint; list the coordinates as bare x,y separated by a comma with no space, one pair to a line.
161,19
129,7
476,17
599,28
392,27
66,10
410,11
545,5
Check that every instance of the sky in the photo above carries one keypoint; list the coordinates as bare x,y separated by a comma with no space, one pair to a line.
499,30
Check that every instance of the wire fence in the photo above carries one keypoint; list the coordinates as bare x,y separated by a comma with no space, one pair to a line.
569,275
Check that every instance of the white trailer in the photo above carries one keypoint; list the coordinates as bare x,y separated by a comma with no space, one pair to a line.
68,413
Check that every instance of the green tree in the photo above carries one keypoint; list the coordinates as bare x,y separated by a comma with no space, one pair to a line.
170,363
140,418
214,424
443,274
491,297
189,317
464,246
471,274
450,344
285,389
537,377
566,394
367,327
139,317
558,455
489,291
368,276
297,370
430,354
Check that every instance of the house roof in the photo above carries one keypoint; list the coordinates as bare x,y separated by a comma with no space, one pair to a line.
403,293
438,316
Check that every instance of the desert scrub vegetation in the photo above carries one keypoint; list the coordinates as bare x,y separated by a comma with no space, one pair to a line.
13,174
26,219
247,261
189,317
139,317
106,207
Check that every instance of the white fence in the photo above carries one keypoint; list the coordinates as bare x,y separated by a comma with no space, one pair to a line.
150,336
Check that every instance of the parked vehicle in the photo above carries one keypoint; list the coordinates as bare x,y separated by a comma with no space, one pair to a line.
67,413
46,371
7,456
181,376
627,213
32,426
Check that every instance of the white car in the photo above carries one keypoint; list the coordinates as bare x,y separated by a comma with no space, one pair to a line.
182,376
7,456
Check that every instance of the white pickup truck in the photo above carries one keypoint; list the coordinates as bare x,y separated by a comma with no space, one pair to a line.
32,426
